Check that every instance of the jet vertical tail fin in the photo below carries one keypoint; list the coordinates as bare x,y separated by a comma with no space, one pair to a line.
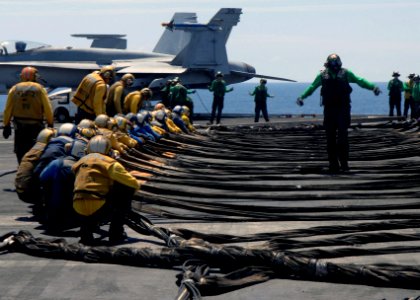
172,42
206,47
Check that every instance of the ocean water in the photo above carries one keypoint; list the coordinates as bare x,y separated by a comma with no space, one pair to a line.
364,102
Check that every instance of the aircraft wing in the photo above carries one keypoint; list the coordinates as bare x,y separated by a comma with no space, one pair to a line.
148,67
252,75
56,65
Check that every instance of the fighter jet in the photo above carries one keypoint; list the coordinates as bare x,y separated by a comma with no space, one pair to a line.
192,51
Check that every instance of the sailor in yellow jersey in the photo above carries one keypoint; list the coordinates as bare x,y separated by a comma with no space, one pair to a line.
186,118
134,101
25,182
27,104
117,93
102,187
91,94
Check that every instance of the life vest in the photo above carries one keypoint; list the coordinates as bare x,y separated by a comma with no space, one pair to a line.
260,93
395,88
188,123
27,103
24,174
84,95
92,181
113,139
133,102
125,139
335,91
409,91
110,105
218,87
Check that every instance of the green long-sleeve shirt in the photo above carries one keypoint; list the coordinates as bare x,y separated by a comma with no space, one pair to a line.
416,92
219,88
351,77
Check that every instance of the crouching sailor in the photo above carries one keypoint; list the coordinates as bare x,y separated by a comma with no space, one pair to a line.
103,187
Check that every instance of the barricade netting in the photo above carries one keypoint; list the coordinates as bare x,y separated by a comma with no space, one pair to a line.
268,173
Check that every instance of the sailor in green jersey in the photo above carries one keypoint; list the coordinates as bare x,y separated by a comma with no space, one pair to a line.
416,98
335,93
408,95
218,87
395,88
178,94
261,94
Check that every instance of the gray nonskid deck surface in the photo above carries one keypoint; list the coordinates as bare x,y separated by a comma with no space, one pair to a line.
27,277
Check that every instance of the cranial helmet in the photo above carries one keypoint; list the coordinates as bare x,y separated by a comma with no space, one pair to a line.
131,117
160,115
87,132
99,144
112,124
146,93
219,74
333,62
159,106
45,135
168,112
29,74
185,110
86,123
128,79
102,121
67,129
143,117
177,109
107,72
122,123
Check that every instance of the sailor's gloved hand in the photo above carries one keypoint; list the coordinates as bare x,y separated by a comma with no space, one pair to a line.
299,101
7,131
376,91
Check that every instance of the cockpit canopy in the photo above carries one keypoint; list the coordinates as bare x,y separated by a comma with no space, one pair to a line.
16,47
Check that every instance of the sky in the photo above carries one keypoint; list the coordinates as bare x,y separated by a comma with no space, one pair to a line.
284,38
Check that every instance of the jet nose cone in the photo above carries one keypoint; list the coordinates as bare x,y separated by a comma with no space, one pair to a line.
250,69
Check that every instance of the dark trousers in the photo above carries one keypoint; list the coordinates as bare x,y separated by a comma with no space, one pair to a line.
25,137
415,113
408,105
336,122
81,114
261,107
394,102
117,205
217,106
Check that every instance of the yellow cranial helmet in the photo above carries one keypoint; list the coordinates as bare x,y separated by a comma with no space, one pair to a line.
146,93
86,123
122,123
45,135
107,72
112,124
128,79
